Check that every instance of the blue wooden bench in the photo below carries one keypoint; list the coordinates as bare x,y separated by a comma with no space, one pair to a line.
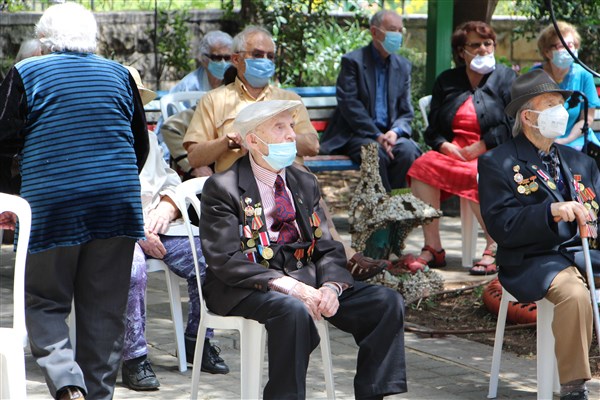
320,101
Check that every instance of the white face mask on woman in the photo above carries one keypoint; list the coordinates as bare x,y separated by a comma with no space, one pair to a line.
482,64
552,122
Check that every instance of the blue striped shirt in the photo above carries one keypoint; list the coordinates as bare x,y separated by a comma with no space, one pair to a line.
78,164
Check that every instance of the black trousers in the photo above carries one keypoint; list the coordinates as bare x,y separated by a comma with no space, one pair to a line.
374,315
96,275
392,170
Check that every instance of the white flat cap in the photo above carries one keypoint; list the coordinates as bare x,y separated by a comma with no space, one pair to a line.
256,113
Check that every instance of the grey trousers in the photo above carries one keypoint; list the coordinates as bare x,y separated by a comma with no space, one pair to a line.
96,275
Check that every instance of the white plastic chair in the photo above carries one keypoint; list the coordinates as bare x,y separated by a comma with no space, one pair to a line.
468,222
252,333
154,265
13,340
172,103
547,371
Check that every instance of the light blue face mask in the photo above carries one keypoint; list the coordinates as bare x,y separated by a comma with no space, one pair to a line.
392,42
218,68
562,59
281,155
259,71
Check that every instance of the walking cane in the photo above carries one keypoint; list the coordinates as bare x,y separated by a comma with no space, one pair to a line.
584,232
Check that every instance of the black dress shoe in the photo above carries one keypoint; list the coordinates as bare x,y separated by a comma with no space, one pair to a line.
211,362
139,376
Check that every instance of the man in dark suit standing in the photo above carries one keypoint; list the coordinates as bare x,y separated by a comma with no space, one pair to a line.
373,95
271,258
534,197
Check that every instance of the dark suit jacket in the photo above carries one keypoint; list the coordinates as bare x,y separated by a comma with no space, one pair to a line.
231,276
532,248
355,93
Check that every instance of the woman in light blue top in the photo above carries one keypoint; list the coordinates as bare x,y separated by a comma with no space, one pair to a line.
559,64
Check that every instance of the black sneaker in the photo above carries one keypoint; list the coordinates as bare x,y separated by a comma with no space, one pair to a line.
211,362
575,395
139,376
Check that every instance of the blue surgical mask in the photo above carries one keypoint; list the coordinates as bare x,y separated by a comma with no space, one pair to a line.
218,68
392,42
562,59
259,71
281,155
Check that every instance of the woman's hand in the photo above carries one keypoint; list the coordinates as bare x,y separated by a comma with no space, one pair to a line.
152,246
474,150
452,151
158,219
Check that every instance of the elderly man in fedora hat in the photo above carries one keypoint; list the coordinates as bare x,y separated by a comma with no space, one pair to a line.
271,258
535,197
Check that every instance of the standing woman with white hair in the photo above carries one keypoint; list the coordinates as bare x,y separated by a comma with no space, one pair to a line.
84,136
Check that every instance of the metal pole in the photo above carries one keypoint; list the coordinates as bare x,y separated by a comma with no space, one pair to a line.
590,278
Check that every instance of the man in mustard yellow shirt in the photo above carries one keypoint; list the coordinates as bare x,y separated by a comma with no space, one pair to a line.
210,137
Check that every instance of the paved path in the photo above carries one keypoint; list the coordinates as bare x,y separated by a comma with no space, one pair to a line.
449,368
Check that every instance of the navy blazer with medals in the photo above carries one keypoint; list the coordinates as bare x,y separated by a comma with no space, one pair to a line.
532,249
230,275
356,92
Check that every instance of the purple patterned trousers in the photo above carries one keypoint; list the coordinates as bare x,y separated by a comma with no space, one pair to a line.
179,260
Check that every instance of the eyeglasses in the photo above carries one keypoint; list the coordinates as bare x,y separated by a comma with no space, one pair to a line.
218,57
559,45
475,45
260,54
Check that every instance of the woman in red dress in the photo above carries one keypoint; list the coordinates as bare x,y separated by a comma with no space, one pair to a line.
466,119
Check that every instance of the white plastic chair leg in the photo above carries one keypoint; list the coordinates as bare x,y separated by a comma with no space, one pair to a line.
498,342
469,232
252,359
547,372
12,367
323,330
177,315
546,359
197,356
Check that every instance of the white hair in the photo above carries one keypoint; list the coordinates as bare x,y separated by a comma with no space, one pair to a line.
518,125
214,39
67,27
239,41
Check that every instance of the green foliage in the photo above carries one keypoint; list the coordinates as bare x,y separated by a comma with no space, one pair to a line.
172,42
585,15
15,5
326,47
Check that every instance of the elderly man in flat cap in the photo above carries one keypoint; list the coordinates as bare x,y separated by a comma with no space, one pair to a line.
271,259
535,198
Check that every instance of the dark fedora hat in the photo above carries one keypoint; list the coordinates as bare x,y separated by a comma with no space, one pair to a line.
530,85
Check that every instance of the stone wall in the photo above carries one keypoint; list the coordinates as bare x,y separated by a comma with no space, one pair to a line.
127,38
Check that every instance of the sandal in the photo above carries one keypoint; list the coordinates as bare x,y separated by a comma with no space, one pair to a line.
362,267
420,264
481,268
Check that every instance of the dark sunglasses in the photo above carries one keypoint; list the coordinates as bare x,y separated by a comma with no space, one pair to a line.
218,57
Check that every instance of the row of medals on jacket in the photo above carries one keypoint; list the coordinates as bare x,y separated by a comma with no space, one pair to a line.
585,196
253,240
